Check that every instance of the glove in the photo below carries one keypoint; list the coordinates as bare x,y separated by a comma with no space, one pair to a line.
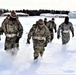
45,44
73,35
55,31
1,31
58,36
17,39
28,41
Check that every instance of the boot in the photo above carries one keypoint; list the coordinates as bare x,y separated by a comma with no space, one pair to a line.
35,57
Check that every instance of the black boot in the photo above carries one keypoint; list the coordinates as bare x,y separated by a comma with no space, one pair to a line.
35,57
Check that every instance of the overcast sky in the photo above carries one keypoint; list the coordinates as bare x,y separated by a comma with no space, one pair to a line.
39,4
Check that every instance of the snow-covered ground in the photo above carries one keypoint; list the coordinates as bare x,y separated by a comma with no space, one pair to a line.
58,59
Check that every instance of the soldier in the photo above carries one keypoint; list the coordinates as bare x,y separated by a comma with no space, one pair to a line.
35,25
13,31
41,36
52,26
65,29
8,16
45,21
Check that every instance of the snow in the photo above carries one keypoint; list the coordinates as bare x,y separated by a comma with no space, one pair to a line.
54,15
58,59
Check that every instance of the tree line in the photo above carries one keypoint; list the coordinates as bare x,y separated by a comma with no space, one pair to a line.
36,12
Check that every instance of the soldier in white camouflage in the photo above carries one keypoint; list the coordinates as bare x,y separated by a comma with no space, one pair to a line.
13,31
52,26
41,36
64,29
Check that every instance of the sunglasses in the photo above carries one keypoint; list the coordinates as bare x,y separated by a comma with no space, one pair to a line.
40,24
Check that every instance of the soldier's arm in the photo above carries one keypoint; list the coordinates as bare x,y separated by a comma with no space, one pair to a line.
72,29
20,30
30,34
58,32
48,36
3,27
55,27
1,30
48,25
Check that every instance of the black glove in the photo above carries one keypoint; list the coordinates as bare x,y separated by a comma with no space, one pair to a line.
55,31
72,35
45,44
17,39
28,41
1,31
58,36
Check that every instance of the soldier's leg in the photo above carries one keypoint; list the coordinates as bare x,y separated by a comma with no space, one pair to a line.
63,42
11,47
42,52
15,49
36,54
52,36
8,43
64,39
8,46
